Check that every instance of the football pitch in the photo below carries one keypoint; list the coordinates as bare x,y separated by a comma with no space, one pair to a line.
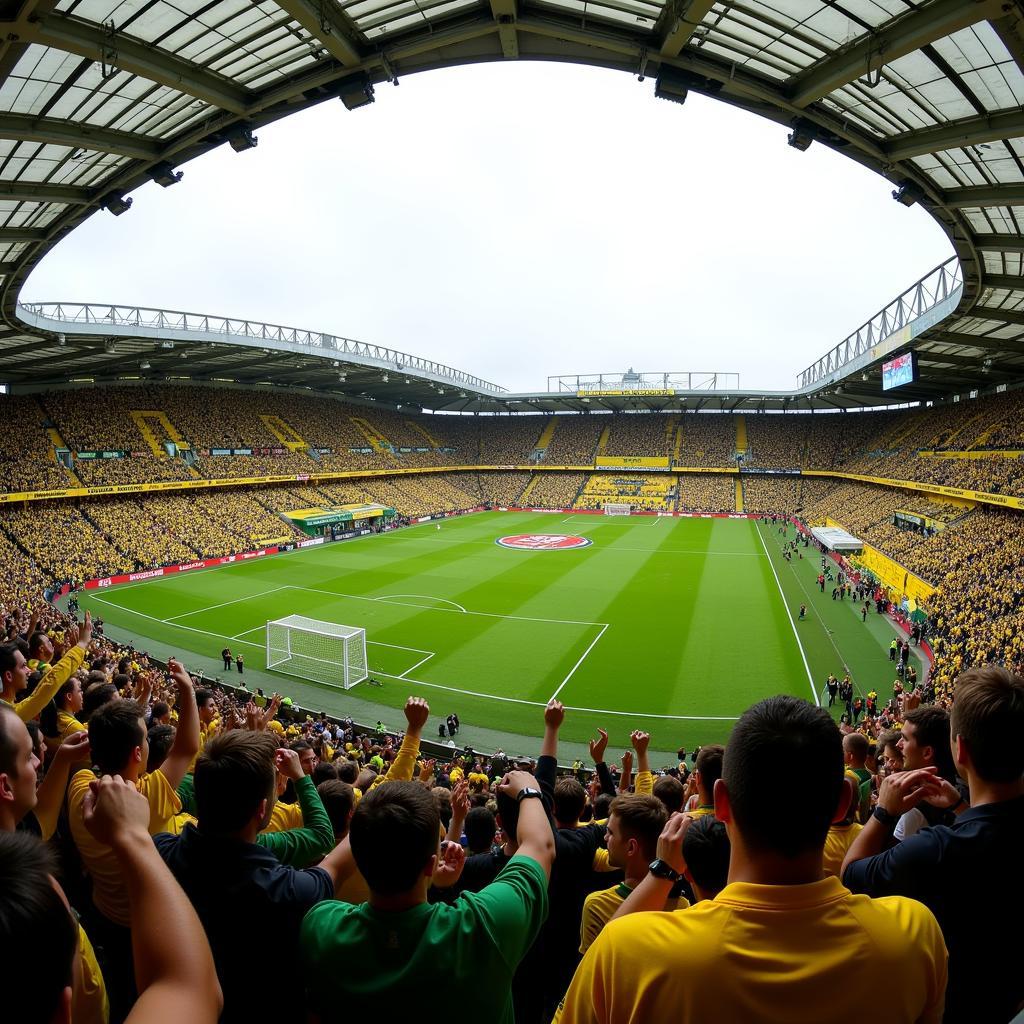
674,626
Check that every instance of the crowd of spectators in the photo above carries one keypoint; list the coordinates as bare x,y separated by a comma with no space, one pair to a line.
159,838
778,441
708,440
648,435
555,490
27,458
574,442
707,492
501,488
133,469
657,492
771,493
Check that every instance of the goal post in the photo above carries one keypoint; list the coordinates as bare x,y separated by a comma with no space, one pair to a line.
324,652
617,508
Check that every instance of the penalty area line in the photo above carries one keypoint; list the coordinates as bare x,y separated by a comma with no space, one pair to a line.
578,663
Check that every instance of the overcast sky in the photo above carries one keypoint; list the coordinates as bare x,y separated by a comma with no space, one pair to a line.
517,221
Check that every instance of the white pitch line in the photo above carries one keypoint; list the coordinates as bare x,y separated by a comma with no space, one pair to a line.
224,604
413,668
645,714
426,597
785,604
489,615
578,663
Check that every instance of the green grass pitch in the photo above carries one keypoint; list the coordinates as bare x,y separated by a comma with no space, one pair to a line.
670,625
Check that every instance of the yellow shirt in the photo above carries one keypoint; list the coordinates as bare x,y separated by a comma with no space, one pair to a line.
599,907
91,1005
48,686
768,953
284,817
67,725
839,839
109,893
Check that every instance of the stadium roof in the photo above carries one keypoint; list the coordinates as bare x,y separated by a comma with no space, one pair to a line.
99,96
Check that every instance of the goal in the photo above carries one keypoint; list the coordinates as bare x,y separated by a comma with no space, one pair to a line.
325,652
616,508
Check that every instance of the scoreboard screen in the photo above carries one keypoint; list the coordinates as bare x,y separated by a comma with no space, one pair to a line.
899,371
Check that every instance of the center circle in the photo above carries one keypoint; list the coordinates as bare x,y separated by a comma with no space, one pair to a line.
543,541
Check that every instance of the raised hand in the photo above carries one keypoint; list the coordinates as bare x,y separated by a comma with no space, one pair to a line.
74,748
85,636
515,782
597,747
417,711
901,792
640,741
627,762
460,800
178,673
427,770
450,861
288,764
670,842
554,714
115,811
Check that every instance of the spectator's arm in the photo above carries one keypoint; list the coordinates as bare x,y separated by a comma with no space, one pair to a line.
50,794
460,808
48,686
301,847
403,768
604,777
644,778
652,892
554,715
534,834
339,864
186,735
626,778
174,970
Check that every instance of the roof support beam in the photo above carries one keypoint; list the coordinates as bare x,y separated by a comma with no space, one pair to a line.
1008,316
969,131
22,235
94,42
999,243
903,35
57,132
323,20
505,12
984,195
986,342
34,192
1003,281
678,22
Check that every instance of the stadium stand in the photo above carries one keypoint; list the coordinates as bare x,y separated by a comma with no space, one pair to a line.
574,441
706,440
654,491
645,435
707,492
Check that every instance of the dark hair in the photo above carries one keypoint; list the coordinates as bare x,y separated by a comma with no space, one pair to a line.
508,812
641,818
160,739
394,833
569,799
671,792
480,828
35,640
33,916
8,662
159,709
96,696
202,696
324,771
338,799
988,714
709,764
115,730
234,772
48,716
783,730
706,851
348,771
602,806
931,729
443,800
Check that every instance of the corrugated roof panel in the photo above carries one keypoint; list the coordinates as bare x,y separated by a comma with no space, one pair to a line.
979,56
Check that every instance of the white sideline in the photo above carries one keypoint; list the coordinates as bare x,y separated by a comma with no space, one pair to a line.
785,604
224,604
578,663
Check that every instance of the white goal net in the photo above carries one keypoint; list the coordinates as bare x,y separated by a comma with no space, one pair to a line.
325,652
616,508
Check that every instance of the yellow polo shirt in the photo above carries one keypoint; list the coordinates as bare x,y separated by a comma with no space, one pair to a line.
599,907
108,892
771,953
839,839
284,817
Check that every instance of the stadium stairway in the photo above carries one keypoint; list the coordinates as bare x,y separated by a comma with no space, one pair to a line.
741,440
522,500
376,441
671,423
678,447
541,447
968,430
602,441
284,432
420,429
58,442
142,418
739,492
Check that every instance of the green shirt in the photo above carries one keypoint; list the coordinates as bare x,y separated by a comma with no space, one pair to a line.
470,947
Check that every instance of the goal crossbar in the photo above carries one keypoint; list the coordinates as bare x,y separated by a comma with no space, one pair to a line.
324,652
617,508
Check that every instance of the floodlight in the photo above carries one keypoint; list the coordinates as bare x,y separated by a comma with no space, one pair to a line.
109,345
802,135
356,91
62,341
242,139
166,344
116,203
165,175
908,193
145,364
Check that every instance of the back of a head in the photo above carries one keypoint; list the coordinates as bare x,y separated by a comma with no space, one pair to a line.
856,745
348,771
931,729
33,919
783,731
709,764
480,827
642,818
234,773
706,851
96,695
394,833
988,714
115,730
671,792
160,739
338,799
602,806
443,801
570,798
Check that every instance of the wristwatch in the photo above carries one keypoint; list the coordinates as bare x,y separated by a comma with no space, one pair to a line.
526,794
660,869
887,819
